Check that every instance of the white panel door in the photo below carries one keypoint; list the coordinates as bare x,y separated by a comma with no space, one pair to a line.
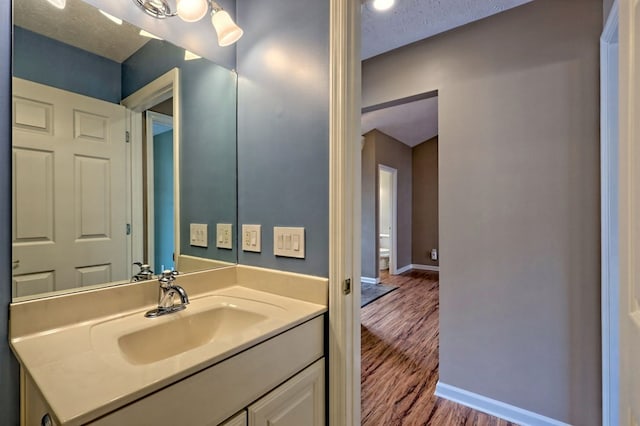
629,203
69,190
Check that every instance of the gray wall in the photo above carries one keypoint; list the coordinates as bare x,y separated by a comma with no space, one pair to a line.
9,399
283,127
369,190
383,149
519,201
425,202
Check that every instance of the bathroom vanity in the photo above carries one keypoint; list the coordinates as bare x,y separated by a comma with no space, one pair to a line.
248,350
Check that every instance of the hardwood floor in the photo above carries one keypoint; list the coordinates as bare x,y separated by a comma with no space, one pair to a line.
400,335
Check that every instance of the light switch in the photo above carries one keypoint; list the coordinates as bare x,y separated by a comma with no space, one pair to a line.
198,235
251,238
224,234
288,242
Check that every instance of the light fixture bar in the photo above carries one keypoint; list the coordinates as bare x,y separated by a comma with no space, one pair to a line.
159,9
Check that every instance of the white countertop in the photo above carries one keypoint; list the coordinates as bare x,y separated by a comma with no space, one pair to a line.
82,373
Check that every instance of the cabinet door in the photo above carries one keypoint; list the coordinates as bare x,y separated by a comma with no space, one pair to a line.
239,419
299,401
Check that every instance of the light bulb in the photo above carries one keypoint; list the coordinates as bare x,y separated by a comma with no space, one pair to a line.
228,31
60,4
192,10
382,4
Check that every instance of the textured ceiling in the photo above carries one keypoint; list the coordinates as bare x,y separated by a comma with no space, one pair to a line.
411,123
79,25
412,20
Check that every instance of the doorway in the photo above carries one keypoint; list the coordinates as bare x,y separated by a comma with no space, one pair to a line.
387,221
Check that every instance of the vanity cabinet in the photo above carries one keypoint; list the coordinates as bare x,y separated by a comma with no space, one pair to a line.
239,419
299,401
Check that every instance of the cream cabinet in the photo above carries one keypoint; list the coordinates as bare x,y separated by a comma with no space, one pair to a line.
239,419
298,401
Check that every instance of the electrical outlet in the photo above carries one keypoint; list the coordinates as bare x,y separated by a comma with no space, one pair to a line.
251,238
198,234
434,254
224,234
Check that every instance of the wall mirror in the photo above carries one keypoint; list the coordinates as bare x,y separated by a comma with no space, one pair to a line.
122,142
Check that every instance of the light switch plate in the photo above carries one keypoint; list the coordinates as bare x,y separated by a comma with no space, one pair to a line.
251,238
198,234
288,242
224,234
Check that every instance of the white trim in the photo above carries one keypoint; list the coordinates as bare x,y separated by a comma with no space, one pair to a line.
495,408
344,212
425,267
151,118
393,258
403,269
159,90
367,280
609,217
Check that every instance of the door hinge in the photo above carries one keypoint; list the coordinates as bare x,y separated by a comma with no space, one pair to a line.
346,286
128,229
127,137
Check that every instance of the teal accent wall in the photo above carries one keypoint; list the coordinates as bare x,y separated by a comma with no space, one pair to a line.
44,60
208,138
163,201
283,127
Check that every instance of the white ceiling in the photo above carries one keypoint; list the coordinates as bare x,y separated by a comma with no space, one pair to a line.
411,20
411,123
79,25
406,22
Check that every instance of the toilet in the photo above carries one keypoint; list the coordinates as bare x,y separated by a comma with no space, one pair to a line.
385,251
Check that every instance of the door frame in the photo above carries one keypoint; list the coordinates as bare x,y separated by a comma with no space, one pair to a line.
393,258
344,213
155,92
609,217
151,118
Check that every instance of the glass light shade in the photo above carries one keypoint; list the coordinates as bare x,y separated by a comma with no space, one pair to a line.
60,4
192,10
382,4
228,31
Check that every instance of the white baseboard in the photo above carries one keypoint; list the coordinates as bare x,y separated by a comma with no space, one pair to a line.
403,269
494,407
368,280
425,267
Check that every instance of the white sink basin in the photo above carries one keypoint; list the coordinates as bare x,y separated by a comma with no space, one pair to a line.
223,321
189,331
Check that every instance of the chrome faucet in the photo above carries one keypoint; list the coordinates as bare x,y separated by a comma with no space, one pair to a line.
145,272
168,289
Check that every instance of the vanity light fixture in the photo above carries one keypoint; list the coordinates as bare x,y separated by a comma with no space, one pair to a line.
111,17
60,4
192,11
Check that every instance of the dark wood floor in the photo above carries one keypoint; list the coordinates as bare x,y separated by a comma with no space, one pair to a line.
400,335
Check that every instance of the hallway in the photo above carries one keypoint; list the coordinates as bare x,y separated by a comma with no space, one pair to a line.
400,359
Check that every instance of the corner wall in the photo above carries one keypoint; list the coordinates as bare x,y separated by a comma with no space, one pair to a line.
519,201
283,127
424,215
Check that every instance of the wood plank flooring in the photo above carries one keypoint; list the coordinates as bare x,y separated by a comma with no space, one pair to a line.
400,337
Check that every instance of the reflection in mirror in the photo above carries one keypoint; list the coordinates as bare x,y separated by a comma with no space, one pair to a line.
109,169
